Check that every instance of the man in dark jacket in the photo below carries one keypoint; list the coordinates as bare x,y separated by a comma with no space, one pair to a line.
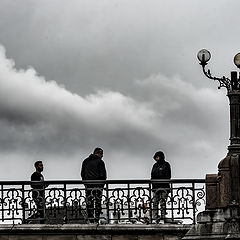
93,168
161,170
38,191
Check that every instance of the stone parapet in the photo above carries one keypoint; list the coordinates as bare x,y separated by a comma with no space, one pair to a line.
93,232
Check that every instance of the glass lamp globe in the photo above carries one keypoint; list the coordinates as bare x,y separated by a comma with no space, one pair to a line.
204,56
237,60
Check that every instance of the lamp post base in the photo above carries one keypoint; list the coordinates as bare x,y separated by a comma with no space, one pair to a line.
223,188
221,219
216,224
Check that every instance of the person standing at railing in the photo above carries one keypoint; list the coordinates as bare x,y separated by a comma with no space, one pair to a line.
160,170
93,168
38,191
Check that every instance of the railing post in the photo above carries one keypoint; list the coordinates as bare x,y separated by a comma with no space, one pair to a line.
2,202
150,202
107,203
194,203
128,201
171,201
23,204
65,203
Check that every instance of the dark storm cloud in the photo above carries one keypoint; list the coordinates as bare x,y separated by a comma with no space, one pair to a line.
88,45
93,50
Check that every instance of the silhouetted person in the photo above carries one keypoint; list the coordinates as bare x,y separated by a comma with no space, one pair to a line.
160,170
93,168
38,193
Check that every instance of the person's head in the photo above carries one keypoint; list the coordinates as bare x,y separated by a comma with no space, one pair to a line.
159,156
39,166
98,152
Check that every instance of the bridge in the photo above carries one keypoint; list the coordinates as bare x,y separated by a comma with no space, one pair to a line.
127,209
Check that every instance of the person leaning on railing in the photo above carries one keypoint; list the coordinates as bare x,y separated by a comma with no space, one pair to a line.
93,168
160,170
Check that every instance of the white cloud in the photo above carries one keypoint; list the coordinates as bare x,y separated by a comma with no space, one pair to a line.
48,111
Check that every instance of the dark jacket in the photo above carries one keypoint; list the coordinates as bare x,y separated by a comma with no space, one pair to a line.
37,177
39,187
161,170
93,168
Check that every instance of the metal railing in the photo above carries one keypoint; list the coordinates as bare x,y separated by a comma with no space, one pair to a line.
110,201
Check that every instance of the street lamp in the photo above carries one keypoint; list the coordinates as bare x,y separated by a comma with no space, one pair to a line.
233,92
225,186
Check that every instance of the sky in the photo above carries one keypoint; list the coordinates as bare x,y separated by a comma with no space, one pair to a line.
117,74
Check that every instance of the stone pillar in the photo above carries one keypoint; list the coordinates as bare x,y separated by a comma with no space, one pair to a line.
224,182
212,191
234,101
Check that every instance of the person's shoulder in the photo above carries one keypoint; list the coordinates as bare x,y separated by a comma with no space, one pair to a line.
34,176
85,160
98,161
167,163
101,162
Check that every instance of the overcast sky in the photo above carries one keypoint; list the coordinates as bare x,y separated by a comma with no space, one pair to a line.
118,74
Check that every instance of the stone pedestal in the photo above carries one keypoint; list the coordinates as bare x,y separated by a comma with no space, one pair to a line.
221,219
223,189
216,224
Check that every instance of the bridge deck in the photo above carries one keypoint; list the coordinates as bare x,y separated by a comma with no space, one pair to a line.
93,231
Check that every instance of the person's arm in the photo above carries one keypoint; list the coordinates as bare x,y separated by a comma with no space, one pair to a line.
102,171
168,171
32,186
154,177
46,185
83,171
154,174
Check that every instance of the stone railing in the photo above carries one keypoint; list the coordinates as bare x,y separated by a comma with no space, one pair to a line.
121,201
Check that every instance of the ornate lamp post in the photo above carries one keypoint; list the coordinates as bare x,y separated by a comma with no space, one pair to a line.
223,189
221,218
233,92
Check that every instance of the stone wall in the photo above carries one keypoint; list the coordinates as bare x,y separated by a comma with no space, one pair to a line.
93,232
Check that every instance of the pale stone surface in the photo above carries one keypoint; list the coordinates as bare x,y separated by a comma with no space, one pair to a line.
59,237
150,237
170,237
124,237
25,237
93,237
4,237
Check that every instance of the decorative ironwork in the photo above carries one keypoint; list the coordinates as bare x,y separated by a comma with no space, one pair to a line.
223,81
122,201
230,84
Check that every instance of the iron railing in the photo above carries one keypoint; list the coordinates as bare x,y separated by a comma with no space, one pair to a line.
121,201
